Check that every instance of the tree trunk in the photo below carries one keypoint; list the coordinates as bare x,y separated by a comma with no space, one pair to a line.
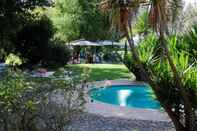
189,113
174,118
5,124
137,59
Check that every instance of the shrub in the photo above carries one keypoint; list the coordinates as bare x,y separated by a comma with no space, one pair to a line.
146,53
38,104
13,60
142,26
110,54
33,40
15,97
58,54
190,40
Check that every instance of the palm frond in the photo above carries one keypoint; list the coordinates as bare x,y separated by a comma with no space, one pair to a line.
121,11
164,11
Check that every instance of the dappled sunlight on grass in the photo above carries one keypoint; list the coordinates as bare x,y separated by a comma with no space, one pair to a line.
103,71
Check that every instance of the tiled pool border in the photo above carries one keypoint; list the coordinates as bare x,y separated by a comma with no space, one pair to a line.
108,110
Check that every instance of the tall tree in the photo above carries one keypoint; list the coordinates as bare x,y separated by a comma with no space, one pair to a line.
14,14
94,25
66,18
79,19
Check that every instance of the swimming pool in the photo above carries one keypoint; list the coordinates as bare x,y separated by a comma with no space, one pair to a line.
138,96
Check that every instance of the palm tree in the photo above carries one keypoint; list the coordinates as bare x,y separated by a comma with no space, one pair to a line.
161,12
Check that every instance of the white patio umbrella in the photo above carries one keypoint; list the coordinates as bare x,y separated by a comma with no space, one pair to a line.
83,43
108,42
99,43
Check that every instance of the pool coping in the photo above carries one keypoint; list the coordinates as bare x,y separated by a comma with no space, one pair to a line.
109,110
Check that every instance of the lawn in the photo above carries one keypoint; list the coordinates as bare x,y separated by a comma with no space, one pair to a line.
103,71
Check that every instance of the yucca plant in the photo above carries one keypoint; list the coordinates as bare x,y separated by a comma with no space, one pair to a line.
142,26
170,93
159,69
190,39
146,49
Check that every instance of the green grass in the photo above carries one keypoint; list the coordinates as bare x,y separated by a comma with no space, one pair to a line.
103,71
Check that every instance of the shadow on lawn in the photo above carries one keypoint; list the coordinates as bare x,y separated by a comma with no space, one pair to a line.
102,73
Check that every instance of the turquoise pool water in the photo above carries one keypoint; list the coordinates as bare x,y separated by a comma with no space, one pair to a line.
139,96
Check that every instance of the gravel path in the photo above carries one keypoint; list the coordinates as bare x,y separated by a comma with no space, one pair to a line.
91,122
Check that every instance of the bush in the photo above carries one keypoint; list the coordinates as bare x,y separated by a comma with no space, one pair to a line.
38,104
33,40
13,60
142,25
146,50
190,40
110,54
58,54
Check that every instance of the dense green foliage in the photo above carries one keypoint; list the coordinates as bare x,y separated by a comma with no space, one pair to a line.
158,68
66,19
13,60
142,25
58,54
79,19
33,40
146,54
94,25
14,14
29,103
190,39
28,32
111,54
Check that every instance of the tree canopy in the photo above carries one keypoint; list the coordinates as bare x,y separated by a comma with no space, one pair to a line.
79,19
14,14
